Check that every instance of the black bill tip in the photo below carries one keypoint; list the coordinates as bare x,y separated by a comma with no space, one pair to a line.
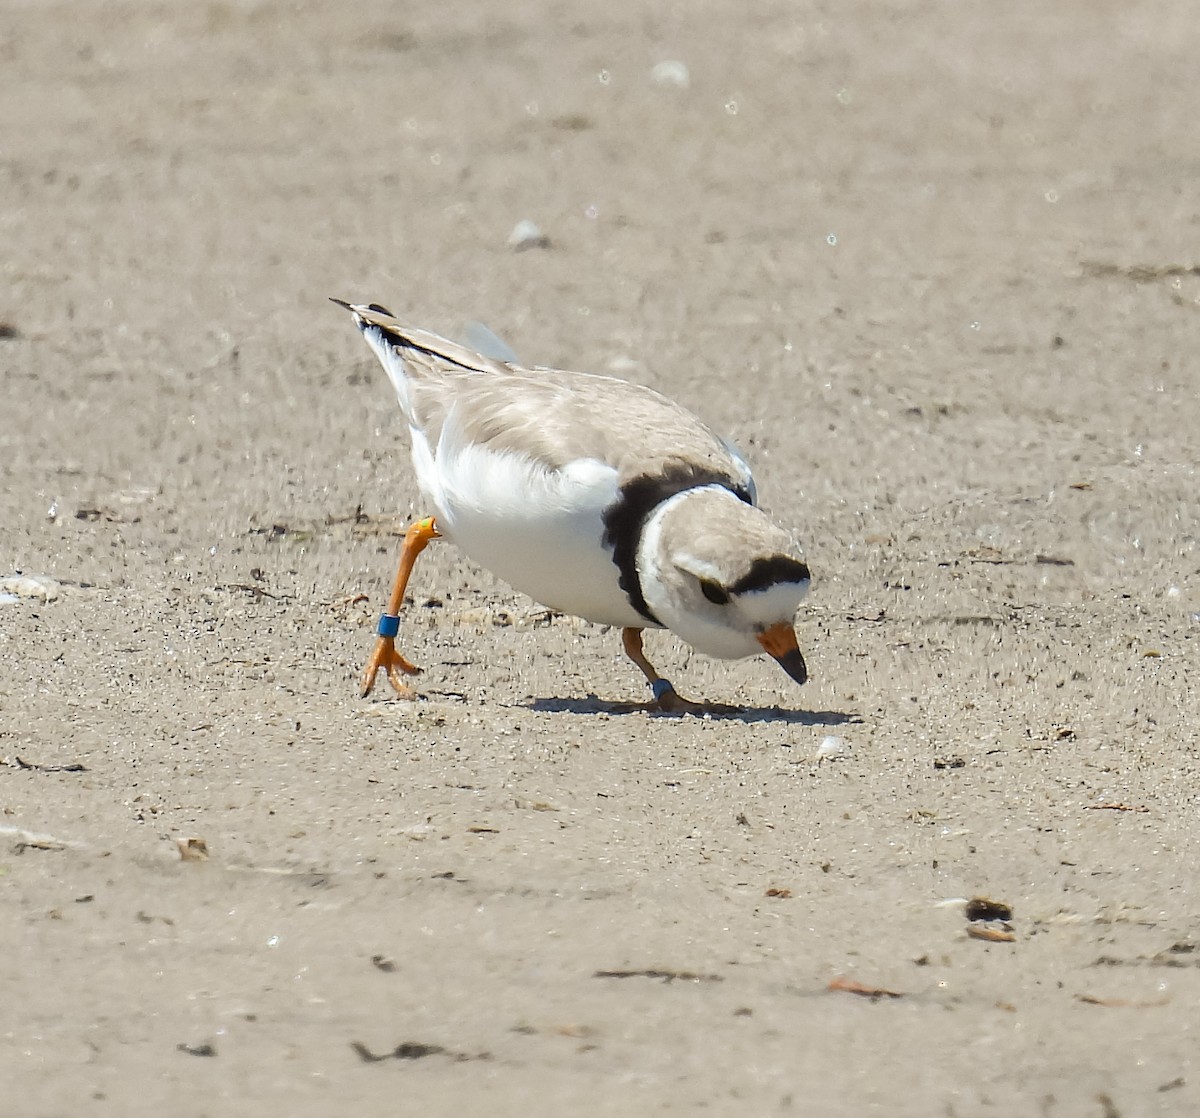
793,663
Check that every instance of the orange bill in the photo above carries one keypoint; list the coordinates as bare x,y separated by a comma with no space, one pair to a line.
779,642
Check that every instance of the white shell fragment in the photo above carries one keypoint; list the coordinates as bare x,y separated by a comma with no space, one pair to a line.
41,587
831,746
671,72
527,234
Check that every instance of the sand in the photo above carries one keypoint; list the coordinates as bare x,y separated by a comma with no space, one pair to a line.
934,266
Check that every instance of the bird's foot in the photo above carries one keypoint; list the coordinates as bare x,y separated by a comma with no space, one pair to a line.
669,701
386,658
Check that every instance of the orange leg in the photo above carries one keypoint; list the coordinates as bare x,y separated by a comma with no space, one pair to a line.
385,656
666,698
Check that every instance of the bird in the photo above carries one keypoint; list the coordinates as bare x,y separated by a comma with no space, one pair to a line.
594,496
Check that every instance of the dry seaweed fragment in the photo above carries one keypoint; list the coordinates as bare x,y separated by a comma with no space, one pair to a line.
408,1050
1121,1003
658,972
843,985
1003,934
33,766
413,1050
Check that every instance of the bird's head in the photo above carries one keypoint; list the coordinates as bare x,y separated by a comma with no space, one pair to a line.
722,576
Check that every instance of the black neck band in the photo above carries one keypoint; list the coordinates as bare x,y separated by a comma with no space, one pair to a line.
625,520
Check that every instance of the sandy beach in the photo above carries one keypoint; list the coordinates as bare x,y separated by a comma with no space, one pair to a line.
936,269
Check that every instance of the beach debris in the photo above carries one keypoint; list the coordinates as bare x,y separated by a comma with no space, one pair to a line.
984,908
527,234
1122,1003
574,1032
143,917
831,746
408,1050
197,1049
989,920
671,72
843,985
192,849
40,587
1140,808
1003,934
658,972
94,514
33,766
39,842
783,894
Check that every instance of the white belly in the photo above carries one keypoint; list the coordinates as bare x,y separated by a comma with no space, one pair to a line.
539,530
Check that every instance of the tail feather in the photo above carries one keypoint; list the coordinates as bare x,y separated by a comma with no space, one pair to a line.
405,350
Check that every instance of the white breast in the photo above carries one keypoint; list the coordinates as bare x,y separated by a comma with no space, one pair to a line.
540,530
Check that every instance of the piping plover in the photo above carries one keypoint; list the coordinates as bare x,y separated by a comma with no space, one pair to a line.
594,496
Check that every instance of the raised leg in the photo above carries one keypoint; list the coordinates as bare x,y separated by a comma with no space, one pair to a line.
666,698
385,656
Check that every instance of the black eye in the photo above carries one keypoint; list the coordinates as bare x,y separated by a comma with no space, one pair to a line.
714,592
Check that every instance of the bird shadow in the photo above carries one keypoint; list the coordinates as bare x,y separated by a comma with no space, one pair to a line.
718,711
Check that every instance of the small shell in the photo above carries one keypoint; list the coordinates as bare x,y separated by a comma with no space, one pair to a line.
671,72
831,746
526,234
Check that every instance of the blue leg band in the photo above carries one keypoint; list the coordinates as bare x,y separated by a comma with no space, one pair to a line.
389,625
660,687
